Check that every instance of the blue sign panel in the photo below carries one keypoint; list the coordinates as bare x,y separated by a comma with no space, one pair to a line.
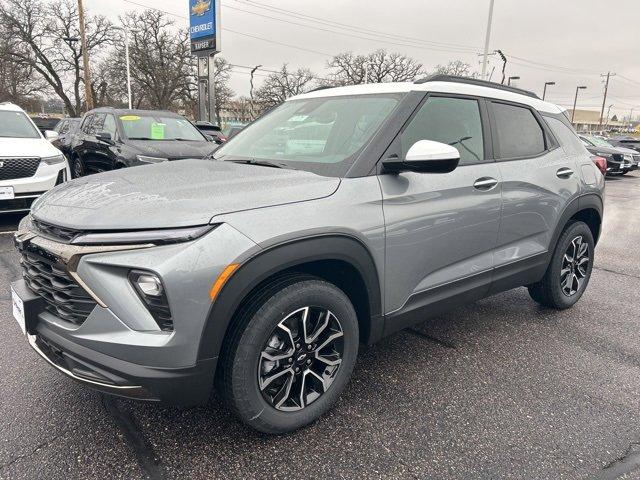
203,24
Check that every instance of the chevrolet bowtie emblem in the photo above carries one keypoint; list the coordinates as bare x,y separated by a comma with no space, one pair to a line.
200,8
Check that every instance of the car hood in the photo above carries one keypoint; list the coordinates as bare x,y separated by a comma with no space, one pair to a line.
172,149
174,194
27,147
606,150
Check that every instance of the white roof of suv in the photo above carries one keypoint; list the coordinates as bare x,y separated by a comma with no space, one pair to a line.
11,107
485,90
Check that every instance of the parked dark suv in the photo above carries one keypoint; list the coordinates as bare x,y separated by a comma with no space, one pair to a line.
340,217
66,128
109,139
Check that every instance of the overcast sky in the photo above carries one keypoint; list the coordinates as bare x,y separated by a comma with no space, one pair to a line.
570,42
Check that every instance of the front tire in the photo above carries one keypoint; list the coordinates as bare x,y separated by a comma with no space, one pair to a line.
77,168
569,270
290,354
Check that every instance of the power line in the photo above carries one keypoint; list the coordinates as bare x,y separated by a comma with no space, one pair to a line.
377,33
410,45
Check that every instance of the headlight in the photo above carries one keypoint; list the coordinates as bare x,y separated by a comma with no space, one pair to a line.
605,155
628,158
53,160
157,237
145,159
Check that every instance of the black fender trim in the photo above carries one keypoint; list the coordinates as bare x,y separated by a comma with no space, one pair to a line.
583,202
286,256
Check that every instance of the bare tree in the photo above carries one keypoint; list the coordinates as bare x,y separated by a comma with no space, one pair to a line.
277,87
40,28
376,67
17,82
457,68
161,62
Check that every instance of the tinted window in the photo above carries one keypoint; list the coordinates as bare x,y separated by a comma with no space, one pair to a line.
98,123
86,123
454,121
519,133
110,125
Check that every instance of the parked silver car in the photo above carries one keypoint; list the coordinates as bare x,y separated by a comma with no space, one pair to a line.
340,217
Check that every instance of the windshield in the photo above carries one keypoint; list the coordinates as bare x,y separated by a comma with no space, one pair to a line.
16,125
599,142
321,135
157,127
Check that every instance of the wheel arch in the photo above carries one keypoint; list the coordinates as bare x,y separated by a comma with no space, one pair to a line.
338,258
588,209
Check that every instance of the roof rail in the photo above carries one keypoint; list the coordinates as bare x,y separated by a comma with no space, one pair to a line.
475,81
324,87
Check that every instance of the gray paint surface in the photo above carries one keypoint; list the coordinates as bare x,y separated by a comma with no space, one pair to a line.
175,194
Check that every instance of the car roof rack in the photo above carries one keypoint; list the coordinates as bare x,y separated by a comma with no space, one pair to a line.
324,87
475,81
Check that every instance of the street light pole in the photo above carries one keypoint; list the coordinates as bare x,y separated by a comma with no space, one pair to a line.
575,101
544,92
486,41
85,58
512,78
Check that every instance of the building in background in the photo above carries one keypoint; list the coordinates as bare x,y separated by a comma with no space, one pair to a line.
589,121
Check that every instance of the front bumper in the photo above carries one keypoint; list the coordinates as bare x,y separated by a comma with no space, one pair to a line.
28,189
118,348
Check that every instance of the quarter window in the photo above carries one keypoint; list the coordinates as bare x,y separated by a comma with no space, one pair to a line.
518,131
454,121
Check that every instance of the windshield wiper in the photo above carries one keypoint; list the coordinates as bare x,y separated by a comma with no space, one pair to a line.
261,163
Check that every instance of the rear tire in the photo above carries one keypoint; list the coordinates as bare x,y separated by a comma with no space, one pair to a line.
275,376
569,270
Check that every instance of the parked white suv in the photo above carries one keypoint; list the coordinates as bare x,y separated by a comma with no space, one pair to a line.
29,164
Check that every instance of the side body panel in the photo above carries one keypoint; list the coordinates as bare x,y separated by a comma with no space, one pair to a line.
440,229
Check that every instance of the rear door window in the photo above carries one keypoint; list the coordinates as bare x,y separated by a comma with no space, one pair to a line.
518,132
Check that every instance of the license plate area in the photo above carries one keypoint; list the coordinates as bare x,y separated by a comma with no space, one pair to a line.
26,306
6,193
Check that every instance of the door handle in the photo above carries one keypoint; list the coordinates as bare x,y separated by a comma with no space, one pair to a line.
564,173
485,184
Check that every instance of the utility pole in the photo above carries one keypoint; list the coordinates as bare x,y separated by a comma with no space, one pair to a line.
486,41
85,58
604,100
253,71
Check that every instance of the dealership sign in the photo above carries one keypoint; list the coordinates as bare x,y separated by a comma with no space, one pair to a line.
204,26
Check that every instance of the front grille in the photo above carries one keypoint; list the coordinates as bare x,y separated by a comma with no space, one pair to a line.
48,277
12,168
17,204
636,158
54,232
618,157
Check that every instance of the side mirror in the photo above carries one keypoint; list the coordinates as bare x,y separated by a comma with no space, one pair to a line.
425,156
51,135
104,136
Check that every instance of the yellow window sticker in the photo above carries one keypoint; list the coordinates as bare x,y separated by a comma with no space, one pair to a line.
129,118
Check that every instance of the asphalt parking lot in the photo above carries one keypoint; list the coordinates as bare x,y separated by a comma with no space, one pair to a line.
498,389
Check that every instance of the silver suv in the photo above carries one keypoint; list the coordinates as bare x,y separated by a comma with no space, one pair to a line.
342,216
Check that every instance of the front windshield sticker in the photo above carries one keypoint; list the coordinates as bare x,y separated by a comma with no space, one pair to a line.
129,118
157,131
299,118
